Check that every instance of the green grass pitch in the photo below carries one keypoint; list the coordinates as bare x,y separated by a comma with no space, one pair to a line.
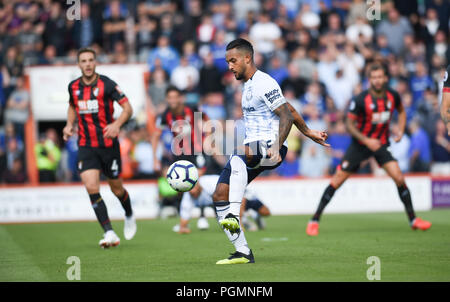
283,252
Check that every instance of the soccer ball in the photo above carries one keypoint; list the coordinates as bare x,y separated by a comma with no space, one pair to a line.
182,175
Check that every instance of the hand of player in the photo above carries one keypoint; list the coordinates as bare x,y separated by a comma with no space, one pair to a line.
373,144
318,137
274,155
111,130
67,132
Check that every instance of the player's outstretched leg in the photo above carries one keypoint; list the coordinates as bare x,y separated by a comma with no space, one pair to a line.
130,227
395,173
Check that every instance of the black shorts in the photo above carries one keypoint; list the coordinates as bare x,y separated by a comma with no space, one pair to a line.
107,160
254,204
253,167
357,153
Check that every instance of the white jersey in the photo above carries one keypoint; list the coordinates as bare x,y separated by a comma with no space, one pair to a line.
261,95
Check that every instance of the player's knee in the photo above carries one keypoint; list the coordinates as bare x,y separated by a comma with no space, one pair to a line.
217,196
264,211
117,191
92,187
399,180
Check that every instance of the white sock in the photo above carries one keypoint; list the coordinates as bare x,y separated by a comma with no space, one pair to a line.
238,183
221,211
238,240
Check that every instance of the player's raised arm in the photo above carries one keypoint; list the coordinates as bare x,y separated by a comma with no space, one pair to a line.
315,135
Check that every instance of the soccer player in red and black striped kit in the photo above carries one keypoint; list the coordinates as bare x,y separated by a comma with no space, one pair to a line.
368,123
92,98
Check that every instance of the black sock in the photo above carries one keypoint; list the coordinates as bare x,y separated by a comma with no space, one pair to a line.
126,203
405,197
326,197
202,211
100,210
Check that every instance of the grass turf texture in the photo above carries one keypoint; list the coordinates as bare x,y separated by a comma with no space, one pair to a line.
283,252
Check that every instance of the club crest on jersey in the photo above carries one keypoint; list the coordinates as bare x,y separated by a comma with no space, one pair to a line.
95,91
80,165
249,94
445,76
77,92
345,164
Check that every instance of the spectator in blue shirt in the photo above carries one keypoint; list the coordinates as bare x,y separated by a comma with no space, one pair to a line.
290,166
419,150
166,54
277,70
420,82
218,49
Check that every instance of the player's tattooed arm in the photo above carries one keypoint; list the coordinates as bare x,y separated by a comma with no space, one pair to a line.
317,136
286,121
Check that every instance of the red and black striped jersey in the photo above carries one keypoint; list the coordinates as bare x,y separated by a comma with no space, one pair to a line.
94,104
373,115
184,124
446,87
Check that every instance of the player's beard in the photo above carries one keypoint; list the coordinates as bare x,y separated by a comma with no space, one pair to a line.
380,89
238,76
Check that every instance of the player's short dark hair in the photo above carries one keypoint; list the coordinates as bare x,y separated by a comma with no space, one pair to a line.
86,49
241,44
376,66
172,88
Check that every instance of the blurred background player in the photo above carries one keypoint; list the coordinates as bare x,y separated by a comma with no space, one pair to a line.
445,105
372,111
92,98
187,143
201,196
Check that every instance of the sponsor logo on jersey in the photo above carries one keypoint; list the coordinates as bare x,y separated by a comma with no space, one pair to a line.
248,109
87,106
381,117
273,95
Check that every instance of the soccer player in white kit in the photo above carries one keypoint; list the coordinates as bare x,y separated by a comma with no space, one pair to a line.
268,119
